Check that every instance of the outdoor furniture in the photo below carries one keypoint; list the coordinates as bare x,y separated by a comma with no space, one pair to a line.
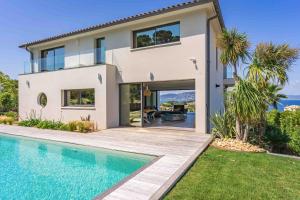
173,116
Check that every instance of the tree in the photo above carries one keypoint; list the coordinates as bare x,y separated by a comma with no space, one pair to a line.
8,93
268,71
235,49
271,63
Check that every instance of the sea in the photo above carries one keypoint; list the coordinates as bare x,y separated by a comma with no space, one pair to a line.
287,102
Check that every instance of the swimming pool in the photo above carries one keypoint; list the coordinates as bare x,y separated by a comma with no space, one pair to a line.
38,169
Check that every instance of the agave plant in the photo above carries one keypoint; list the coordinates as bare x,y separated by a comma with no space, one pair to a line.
223,125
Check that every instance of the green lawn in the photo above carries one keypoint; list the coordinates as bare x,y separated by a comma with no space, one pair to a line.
219,174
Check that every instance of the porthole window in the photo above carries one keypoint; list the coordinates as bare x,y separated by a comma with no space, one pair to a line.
42,99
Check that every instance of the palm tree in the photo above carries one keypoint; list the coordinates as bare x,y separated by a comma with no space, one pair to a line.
271,63
268,70
273,95
235,49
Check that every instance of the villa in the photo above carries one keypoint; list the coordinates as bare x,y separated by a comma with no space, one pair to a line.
114,72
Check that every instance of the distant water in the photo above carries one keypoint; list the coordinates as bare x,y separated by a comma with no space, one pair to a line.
287,102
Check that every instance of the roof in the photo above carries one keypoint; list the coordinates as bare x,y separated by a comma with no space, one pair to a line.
132,18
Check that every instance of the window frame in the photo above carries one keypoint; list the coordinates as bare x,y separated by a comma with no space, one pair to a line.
134,33
96,51
43,57
65,100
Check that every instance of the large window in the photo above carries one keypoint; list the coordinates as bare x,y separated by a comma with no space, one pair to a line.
157,35
53,59
100,51
82,97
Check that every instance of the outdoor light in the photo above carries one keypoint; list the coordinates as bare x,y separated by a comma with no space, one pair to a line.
193,59
100,78
28,84
151,76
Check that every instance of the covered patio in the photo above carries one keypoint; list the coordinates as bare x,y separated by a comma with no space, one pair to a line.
149,105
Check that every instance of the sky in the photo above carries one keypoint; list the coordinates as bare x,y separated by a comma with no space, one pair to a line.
22,21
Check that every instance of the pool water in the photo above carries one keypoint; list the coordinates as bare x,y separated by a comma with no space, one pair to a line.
36,169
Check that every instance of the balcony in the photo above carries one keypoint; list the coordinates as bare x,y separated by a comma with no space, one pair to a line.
71,59
228,77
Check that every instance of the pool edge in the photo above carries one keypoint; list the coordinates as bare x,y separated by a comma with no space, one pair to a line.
122,182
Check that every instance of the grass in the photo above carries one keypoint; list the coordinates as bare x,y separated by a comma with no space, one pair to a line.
219,174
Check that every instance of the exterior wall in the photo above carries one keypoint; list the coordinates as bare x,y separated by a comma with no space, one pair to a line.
216,76
52,84
157,63
165,62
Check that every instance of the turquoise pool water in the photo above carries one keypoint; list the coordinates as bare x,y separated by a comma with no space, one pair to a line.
36,169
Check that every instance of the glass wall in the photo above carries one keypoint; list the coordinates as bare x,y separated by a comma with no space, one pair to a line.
130,105
53,59
157,35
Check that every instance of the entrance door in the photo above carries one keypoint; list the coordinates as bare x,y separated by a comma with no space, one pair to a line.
131,105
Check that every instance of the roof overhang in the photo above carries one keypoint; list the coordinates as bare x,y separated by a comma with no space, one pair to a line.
171,10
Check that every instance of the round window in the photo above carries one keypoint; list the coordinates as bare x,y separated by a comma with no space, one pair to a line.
42,99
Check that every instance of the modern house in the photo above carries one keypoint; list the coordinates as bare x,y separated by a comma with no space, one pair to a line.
113,72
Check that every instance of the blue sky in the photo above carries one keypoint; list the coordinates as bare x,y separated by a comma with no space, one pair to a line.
22,21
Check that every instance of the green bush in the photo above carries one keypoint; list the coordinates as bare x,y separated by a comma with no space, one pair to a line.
81,126
47,124
12,114
290,125
283,131
29,122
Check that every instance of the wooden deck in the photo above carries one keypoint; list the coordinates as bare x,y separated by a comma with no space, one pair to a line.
176,150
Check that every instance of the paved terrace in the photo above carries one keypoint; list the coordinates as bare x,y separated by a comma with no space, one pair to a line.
176,150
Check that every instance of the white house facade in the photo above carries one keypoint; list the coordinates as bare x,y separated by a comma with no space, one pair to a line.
113,72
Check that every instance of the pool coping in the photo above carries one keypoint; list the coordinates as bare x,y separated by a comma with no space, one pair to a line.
174,151
123,181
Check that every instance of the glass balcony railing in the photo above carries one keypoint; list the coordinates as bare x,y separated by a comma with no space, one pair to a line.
228,73
68,60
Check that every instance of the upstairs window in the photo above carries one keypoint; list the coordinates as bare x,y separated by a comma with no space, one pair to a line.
53,59
80,97
156,35
100,51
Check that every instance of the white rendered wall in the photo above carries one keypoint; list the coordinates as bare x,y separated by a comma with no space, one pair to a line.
52,84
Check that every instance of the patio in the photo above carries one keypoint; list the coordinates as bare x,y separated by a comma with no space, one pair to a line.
176,151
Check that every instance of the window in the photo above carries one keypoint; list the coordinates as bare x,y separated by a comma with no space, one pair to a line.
53,59
100,51
82,97
42,100
156,35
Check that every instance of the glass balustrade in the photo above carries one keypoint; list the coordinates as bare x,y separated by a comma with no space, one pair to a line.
68,60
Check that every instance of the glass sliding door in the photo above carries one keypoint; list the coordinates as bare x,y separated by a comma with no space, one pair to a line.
131,105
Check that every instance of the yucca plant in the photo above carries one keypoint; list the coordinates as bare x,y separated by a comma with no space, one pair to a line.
223,125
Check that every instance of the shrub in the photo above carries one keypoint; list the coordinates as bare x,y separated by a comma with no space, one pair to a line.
29,122
12,114
275,139
6,120
283,131
72,125
81,126
65,127
47,124
223,125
